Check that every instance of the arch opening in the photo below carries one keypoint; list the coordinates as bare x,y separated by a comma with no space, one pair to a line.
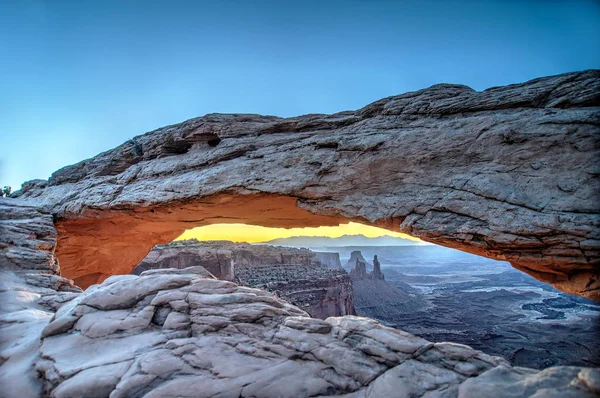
437,293
99,243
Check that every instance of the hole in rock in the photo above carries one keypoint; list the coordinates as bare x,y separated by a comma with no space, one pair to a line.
214,142
428,290
435,292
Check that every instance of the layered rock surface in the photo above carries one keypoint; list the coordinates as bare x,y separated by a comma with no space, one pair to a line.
359,271
510,173
355,258
27,238
183,333
296,275
174,332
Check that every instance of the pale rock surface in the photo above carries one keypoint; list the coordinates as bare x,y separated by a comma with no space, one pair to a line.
510,173
27,303
174,332
181,333
27,237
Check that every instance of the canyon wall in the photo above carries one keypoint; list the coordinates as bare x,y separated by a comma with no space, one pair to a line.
509,173
330,260
216,259
296,275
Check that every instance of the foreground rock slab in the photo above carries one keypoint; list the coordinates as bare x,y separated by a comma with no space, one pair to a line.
183,333
509,173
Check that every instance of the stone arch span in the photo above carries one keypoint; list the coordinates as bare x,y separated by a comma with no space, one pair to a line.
509,173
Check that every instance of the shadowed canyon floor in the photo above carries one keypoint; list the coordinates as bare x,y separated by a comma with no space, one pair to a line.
444,295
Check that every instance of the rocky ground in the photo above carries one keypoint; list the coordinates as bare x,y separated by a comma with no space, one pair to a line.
471,170
508,173
182,333
173,332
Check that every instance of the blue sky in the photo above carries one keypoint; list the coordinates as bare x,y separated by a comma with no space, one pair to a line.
80,77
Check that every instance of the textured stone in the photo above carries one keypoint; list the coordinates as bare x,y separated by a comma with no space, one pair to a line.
234,341
26,307
27,238
330,260
181,332
356,257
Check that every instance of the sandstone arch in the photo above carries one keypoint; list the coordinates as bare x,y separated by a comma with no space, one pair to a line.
509,173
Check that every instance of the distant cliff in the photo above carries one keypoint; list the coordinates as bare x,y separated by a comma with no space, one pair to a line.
313,281
330,260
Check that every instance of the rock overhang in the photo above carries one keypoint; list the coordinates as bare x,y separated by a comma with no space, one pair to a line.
509,173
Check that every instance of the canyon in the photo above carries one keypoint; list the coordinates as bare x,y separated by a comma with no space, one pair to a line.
476,171
441,294
296,275
182,332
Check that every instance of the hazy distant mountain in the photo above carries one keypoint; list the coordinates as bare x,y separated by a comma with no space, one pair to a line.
345,240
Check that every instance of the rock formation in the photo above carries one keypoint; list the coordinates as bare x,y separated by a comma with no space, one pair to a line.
172,332
355,257
216,259
296,275
27,238
509,173
359,272
330,260
377,274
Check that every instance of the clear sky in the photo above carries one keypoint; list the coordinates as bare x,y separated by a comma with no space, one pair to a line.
80,77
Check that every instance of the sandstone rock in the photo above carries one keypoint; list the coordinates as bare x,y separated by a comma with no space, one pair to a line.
233,341
359,271
296,275
508,173
26,307
330,260
174,332
216,259
356,256
377,274
27,238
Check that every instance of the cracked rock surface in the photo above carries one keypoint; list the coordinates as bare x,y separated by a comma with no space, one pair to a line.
182,333
509,173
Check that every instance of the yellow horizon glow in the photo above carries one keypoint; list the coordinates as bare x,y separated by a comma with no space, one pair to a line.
258,234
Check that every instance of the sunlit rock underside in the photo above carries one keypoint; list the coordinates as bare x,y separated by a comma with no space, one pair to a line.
183,333
509,173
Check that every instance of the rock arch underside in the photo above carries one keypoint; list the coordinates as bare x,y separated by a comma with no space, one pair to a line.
510,173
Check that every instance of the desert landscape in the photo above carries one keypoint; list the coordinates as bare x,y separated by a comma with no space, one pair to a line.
300,199
430,291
